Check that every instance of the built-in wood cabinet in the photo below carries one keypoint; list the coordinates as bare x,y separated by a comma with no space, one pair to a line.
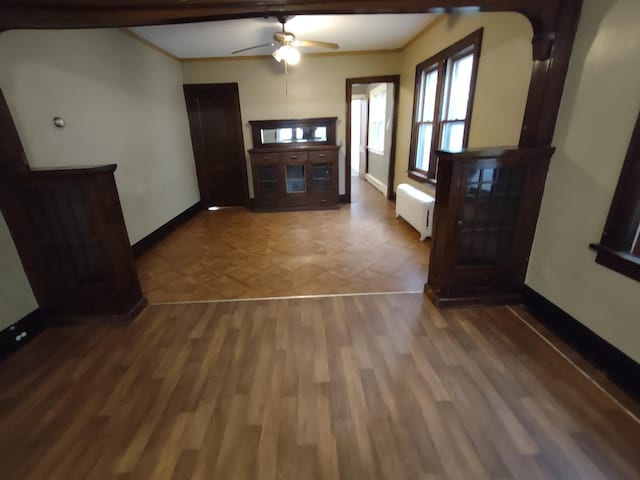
487,204
69,230
295,164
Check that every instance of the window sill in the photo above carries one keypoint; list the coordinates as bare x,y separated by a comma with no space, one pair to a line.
622,262
421,177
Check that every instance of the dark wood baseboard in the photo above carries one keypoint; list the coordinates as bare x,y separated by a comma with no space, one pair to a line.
144,245
616,365
343,198
452,302
15,336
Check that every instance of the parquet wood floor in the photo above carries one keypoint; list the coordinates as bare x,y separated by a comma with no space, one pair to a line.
234,253
356,387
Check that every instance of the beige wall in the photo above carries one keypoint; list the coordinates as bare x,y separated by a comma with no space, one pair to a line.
379,164
599,108
501,90
122,102
316,87
16,298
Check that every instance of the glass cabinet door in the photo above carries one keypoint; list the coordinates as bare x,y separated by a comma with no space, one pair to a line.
488,216
267,178
321,177
295,178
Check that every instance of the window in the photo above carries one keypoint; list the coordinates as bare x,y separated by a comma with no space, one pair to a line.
442,104
377,112
619,247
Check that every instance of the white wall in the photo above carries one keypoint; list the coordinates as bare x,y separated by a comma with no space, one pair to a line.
16,298
122,102
379,164
316,87
599,108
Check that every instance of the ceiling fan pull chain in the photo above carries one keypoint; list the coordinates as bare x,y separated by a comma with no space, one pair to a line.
286,79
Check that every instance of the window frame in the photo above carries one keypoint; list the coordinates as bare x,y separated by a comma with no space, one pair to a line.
619,247
441,62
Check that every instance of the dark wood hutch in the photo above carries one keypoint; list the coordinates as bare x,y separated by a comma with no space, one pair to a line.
487,203
295,164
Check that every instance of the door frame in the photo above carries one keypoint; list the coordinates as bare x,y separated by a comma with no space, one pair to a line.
395,80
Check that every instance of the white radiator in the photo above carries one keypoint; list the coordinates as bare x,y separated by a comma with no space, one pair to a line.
416,208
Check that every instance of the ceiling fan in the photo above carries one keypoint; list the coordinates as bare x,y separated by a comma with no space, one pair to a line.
287,51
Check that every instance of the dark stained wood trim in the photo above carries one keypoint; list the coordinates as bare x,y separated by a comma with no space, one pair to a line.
395,80
102,13
486,300
12,156
145,244
624,263
21,332
624,214
618,248
65,172
617,366
552,46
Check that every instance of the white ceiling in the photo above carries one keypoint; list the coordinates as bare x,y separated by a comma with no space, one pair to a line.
351,32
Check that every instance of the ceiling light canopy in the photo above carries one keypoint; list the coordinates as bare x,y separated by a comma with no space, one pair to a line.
288,54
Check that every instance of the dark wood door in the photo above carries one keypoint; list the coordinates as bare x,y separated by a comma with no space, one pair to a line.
218,146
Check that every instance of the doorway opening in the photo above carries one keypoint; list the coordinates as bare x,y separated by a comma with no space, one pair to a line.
372,117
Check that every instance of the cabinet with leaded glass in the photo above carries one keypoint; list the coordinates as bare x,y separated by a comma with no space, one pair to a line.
486,205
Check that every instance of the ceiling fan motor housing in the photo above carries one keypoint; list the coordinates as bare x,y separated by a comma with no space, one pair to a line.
284,38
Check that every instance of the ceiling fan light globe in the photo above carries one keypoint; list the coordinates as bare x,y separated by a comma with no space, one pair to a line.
278,54
292,56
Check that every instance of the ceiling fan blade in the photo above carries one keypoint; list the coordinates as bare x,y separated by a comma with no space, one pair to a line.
315,43
270,44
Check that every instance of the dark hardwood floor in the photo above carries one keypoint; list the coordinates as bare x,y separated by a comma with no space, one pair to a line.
354,387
